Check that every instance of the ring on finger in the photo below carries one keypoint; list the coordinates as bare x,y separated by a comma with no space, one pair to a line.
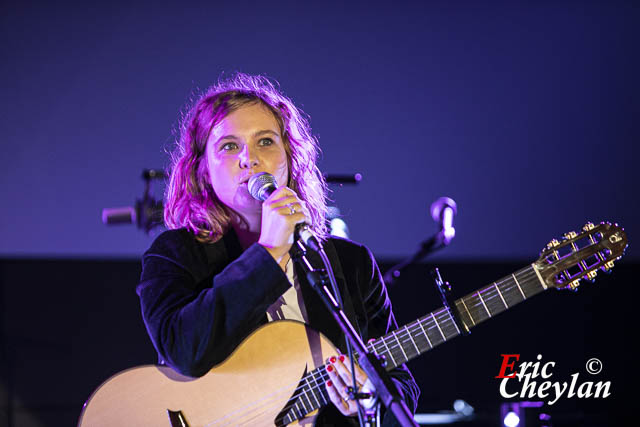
346,393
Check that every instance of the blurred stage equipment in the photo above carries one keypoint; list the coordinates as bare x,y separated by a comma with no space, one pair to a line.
337,226
462,411
524,414
442,211
148,213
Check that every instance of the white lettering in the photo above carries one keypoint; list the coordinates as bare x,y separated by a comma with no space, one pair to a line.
544,369
503,389
599,386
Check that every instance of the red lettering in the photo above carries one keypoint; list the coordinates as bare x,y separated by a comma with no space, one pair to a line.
506,364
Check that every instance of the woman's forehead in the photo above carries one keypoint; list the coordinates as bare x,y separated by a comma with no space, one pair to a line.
246,121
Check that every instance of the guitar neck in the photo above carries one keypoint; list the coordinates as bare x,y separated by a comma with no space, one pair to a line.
425,333
420,336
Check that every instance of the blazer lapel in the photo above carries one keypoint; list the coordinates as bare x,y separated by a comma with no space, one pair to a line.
319,315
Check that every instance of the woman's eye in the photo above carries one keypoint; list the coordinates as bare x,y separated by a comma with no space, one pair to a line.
228,146
266,141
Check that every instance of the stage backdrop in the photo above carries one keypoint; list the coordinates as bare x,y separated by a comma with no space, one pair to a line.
523,113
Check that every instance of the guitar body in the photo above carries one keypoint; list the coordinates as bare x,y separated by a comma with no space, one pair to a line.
251,387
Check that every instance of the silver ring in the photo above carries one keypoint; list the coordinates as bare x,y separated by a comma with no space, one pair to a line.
346,394
292,210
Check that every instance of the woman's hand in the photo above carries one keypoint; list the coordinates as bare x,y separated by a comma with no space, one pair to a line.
280,214
339,370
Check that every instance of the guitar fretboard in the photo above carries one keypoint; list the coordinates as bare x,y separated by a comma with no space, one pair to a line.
425,333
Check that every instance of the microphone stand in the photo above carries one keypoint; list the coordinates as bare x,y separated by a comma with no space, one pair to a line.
442,211
386,390
432,244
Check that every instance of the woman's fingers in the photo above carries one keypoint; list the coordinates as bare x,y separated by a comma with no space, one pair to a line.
339,371
286,202
280,213
336,398
343,366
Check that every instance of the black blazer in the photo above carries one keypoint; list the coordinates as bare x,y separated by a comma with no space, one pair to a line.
200,301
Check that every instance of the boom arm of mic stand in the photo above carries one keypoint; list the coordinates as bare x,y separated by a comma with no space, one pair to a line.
369,362
430,245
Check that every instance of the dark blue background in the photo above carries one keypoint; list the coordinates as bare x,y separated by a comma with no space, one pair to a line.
522,112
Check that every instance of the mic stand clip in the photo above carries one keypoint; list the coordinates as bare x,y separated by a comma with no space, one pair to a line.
445,294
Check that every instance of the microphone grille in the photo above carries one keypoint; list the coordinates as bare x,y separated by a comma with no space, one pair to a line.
261,185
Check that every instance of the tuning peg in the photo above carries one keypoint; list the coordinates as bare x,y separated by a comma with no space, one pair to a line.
588,226
574,285
592,275
607,267
570,235
553,244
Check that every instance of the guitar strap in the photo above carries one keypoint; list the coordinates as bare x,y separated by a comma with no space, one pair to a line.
320,317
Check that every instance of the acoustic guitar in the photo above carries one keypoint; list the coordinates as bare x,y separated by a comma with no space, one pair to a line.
276,376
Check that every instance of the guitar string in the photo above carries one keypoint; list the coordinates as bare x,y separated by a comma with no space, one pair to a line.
442,316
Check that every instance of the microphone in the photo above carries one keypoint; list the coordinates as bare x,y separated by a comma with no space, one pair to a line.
443,211
261,186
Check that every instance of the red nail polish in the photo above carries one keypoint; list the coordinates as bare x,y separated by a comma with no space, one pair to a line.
329,383
333,359
329,368
342,358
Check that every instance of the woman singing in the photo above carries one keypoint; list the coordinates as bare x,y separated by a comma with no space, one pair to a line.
223,268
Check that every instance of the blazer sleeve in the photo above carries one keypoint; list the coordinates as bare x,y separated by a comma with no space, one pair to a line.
381,322
196,318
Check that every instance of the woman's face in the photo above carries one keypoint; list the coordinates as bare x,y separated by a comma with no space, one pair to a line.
242,144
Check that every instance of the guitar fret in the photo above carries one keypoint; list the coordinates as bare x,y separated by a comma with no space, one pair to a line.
411,338
453,321
500,293
296,410
400,345
436,322
425,334
465,307
389,351
509,291
517,283
482,301
317,405
301,400
373,345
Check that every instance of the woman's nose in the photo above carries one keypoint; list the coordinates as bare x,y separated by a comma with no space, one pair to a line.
248,158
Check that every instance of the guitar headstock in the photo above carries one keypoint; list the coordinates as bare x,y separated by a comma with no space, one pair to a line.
563,263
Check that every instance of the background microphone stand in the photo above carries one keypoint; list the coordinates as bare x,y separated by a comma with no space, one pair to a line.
442,211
